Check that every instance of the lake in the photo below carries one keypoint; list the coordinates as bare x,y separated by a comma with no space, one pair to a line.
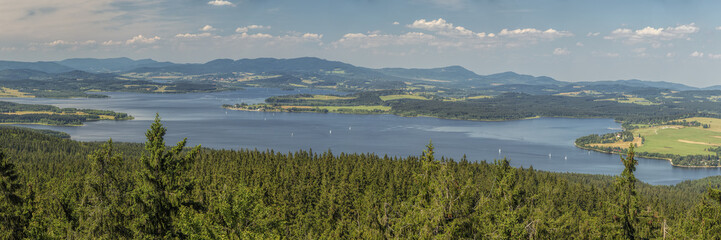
545,143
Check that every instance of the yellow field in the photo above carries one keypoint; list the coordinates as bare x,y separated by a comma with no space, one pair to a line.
326,97
308,81
350,108
162,89
634,100
715,123
256,77
9,92
479,97
404,96
303,107
636,141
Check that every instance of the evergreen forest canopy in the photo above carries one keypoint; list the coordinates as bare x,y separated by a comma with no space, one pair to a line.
54,188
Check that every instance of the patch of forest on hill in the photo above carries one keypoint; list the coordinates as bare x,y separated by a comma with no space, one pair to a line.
57,188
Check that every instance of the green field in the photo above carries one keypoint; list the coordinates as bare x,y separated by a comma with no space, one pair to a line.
670,139
403,96
682,141
355,108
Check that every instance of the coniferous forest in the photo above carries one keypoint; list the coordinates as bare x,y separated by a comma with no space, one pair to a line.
56,188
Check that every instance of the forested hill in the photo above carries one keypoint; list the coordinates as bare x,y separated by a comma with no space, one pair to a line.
57,188
324,73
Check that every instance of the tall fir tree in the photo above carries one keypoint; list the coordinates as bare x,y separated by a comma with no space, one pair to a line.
164,187
627,196
105,214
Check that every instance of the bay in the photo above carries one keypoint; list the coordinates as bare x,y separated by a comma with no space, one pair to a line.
545,143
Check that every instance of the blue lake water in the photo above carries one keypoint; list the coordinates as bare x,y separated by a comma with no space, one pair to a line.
545,144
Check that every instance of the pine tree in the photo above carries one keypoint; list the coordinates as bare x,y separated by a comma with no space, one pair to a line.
105,214
12,219
628,199
163,186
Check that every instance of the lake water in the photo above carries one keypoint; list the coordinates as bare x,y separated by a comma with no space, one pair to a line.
545,144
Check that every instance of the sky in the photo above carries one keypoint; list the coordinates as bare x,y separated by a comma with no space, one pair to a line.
569,40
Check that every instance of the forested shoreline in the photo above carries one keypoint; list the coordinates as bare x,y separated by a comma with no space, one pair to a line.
57,188
710,160
17,113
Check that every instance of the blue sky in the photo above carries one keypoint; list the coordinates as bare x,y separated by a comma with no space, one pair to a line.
569,40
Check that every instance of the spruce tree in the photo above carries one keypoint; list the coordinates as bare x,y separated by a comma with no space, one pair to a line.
105,200
163,185
628,199
12,220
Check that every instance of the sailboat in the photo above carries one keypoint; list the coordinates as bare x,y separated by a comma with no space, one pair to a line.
499,151
330,131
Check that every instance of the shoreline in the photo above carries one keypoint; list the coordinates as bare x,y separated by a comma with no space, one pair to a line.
642,156
44,124
399,115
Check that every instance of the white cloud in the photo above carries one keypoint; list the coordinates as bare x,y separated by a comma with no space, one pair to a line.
111,42
375,40
533,34
69,43
593,34
561,51
669,55
652,35
141,39
312,36
396,23
221,3
465,37
48,20
207,28
269,39
192,35
442,34
718,28
580,44
250,27
256,35
698,54
442,27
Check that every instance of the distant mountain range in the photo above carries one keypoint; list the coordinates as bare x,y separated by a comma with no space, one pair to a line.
452,76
